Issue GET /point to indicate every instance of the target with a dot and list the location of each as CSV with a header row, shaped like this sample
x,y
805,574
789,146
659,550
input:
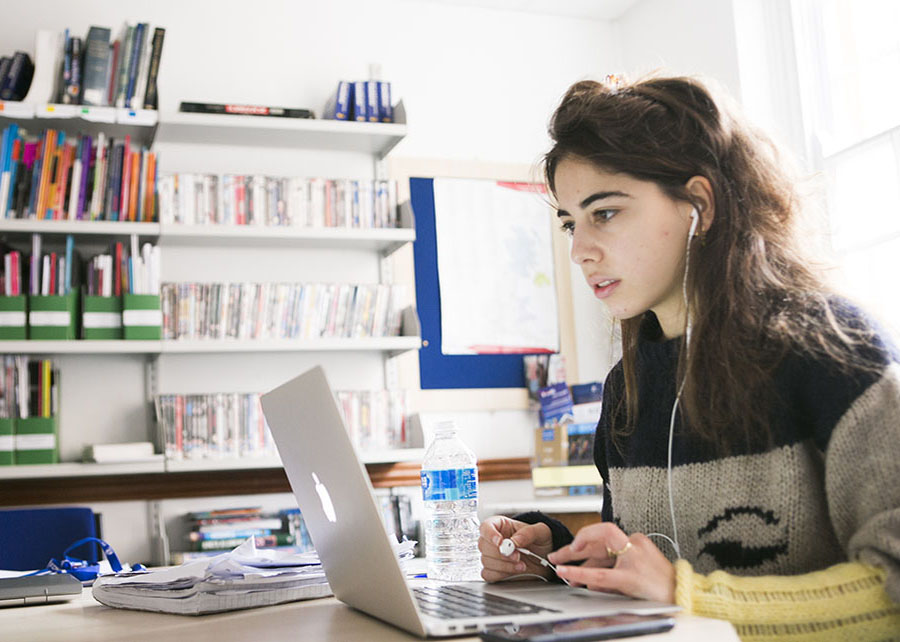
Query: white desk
x,y
322,620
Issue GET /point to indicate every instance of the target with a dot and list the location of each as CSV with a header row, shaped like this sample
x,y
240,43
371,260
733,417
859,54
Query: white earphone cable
x,y
687,342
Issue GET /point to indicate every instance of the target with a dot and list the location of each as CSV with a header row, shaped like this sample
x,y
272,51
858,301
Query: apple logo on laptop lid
x,y
325,499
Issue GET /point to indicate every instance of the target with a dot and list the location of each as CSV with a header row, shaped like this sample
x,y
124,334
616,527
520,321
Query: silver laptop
x,y
335,496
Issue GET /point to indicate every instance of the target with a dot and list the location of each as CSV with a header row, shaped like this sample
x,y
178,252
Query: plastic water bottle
x,y
450,493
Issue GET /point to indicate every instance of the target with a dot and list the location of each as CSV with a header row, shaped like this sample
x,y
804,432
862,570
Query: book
x,y
211,585
122,452
73,79
97,55
385,106
143,70
134,60
338,106
125,54
372,96
359,101
245,110
151,95
112,75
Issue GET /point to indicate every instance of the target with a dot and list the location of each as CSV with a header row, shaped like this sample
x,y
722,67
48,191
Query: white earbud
x,y
695,218
508,547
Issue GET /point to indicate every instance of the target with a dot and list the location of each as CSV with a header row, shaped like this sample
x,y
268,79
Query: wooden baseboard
x,y
153,486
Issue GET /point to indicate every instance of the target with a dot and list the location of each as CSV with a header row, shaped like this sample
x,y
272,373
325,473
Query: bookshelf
x,y
140,124
376,139
225,254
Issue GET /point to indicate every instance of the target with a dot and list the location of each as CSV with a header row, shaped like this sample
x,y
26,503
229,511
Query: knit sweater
x,y
797,539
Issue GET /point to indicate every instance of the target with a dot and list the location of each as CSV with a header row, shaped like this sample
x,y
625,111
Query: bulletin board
x,y
437,370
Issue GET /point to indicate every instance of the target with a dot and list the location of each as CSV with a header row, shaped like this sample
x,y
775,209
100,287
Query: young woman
x,y
750,435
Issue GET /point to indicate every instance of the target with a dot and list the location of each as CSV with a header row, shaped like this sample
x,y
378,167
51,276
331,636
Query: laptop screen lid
x,y
336,500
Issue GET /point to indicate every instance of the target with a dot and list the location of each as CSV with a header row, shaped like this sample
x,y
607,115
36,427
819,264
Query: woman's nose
x,y
585,247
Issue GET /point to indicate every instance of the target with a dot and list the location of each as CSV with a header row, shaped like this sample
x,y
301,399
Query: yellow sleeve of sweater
x,y
843,602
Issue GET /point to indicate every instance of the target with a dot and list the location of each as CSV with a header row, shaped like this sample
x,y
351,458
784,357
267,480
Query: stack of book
x,y
53,176
366,101
281,310
231,426
563,447
29,411
100,71
240,579
28,387
228,199
215,426
375,419
220,530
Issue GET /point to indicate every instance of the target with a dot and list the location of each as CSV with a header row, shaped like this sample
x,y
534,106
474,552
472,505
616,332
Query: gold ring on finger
x,y
614,554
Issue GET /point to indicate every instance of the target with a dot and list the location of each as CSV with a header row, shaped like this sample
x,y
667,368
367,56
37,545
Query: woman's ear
x,y
702,194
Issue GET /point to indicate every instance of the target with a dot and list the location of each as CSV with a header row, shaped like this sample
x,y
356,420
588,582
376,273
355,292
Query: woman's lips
x,y
605,288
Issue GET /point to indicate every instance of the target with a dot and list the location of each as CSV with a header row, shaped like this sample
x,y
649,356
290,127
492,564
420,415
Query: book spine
x,y
133,62
113,75
151,97
96,67
124,64
359,101
86,154
372,101
386,107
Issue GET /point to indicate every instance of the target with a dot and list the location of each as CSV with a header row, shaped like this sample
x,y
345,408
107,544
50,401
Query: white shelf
x,y
372,457
381,239
271,131
84,228
192,465
140,124
175,235
384,344
34,346
392,456
377,344
157,465
160,465
576,504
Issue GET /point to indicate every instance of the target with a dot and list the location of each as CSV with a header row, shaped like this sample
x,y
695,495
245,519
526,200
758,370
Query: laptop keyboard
x,y
460,602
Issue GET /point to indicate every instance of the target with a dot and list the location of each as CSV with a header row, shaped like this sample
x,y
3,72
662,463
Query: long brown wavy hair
x,y
753,296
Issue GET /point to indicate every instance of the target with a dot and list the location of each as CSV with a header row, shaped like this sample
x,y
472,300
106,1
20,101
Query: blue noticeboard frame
x,y
437,370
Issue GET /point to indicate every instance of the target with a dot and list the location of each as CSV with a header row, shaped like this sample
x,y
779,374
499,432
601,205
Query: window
x,y
848,57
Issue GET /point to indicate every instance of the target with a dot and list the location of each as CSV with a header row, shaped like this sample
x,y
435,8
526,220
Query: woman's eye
x,y
604,215
568,228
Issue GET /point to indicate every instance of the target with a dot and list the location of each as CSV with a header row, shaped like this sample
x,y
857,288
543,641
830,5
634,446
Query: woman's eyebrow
x,y
597,196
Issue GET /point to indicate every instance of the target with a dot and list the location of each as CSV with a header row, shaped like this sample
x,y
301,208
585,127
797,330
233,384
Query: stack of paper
x,y
241,579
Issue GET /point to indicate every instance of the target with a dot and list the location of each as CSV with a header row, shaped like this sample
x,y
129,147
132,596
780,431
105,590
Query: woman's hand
x,y
617,563
535,537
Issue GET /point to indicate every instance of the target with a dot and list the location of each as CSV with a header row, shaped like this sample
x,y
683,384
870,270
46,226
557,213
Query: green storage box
x,y
142,317
13,320
53,317
37,440
7,441
101,317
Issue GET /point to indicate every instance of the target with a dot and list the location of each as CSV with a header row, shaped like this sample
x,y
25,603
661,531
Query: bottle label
x,y
449,485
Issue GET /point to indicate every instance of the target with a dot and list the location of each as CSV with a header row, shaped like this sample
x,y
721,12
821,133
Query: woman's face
x,y
629,239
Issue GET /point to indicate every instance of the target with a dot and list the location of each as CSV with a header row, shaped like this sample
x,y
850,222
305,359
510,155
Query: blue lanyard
x,y
82,569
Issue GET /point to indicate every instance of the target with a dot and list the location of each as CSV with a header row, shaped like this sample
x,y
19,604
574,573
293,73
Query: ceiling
x,y
585,9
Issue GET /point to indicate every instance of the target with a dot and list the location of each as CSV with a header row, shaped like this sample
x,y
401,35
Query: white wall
x,y
479,85
681,37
